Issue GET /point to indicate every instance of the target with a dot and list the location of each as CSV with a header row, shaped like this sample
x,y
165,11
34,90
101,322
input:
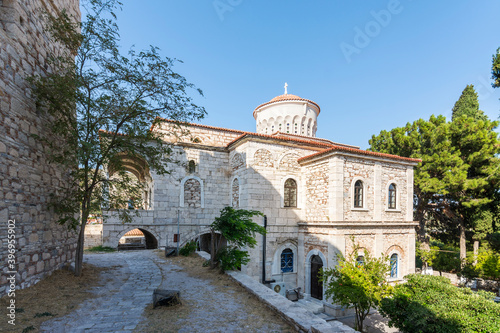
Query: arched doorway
x,y
137,239
316,284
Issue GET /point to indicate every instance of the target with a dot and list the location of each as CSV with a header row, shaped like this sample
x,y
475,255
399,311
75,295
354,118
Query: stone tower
x,y
26,177
287,113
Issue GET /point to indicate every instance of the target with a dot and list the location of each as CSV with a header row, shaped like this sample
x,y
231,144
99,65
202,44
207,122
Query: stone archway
x,y
316,284
151,241
309,267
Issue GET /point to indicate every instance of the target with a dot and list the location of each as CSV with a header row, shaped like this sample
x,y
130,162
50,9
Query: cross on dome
x,y
286,86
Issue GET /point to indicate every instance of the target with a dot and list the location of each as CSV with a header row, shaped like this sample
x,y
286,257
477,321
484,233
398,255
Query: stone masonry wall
x,y
192,193
235,190
27,178
376,178
203,135
93,235
317,180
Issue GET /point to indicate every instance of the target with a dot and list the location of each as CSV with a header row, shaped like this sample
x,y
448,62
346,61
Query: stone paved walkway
x,y
121,301
128,290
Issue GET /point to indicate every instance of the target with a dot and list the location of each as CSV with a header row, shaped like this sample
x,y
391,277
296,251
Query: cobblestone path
x,y
121,300
128,290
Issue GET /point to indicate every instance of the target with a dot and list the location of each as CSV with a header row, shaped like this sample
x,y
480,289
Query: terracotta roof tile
x,y
134,232
302,139
198,125
284,98
358,151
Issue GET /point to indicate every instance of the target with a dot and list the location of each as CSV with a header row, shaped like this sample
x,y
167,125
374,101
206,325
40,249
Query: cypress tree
x,y
468,105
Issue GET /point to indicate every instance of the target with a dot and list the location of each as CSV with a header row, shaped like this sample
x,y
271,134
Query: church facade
x,y
317,195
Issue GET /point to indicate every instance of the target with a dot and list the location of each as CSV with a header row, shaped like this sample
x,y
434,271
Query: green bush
x,y
488,263
447,261
432,304
231,257
189,248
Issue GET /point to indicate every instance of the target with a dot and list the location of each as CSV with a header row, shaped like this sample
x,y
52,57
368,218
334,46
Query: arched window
x,y
290,193
360,260
392,196
394,265
191,166
358,194
287,260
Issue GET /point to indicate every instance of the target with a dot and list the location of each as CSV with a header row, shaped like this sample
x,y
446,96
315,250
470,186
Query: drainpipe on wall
x,y
264,281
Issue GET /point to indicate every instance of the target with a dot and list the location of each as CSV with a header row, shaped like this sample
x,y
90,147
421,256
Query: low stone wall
x,y
489,285
454,279
93,235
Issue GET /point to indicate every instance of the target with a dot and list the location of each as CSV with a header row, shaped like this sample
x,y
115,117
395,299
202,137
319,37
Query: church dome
x,y
284,98
287,113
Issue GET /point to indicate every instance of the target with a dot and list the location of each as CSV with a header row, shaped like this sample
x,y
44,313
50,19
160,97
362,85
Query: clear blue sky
x,y
401,67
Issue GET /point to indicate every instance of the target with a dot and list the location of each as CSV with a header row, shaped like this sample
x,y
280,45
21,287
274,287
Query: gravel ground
x,y
212,302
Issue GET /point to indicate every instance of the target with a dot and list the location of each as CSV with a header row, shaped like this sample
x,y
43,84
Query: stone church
x,y
316,195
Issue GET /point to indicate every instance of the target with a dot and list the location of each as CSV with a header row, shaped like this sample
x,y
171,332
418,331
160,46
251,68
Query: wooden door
x,y
316,284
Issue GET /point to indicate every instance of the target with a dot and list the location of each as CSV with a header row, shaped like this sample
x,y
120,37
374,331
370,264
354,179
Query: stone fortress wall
x,y
26,177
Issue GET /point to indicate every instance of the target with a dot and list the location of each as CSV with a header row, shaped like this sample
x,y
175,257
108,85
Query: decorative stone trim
x,y
307,264
351,195
282,192
276,269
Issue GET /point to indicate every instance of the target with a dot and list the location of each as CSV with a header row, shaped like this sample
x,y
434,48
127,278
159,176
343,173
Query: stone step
x,y
313,305
326,317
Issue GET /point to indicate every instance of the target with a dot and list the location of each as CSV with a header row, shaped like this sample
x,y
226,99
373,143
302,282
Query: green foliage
x,y
494,241
457,181
101,248
447,261
188,248
102,104
488,264
231,257
360,286
469,271
236,227
426,256
468,105
432,304
495,69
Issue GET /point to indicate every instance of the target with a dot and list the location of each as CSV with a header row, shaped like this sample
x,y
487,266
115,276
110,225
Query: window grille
x,y
287,261
394,265
290,193
392,196
358,194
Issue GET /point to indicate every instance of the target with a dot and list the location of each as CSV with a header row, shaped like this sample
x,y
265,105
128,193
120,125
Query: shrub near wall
x,y
432,304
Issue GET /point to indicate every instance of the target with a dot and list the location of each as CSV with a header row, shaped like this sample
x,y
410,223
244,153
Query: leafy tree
x,y
432,304
468,105
237,228
494,241
361,286
441,167
495,69
102,105
459,173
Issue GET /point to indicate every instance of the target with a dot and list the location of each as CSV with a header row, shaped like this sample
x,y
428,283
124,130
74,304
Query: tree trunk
x,y
463,249
476,251
80,244
420,217
212,249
